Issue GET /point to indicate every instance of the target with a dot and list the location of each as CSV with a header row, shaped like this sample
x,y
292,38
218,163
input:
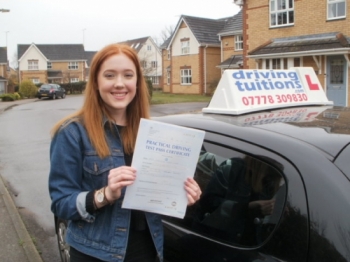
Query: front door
x,y
336,80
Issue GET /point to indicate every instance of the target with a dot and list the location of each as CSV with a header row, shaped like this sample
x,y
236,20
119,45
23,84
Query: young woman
x,y
91,153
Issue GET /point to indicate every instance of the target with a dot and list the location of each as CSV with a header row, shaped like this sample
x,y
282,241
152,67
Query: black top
x,y
140,244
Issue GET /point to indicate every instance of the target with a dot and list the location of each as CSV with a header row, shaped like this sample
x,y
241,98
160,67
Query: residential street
x,y
24,164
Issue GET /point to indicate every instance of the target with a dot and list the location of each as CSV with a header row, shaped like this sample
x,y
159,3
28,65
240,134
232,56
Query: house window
x,y
297,62
169,54
149,48
49,65
168,77
185,47
154,64
144,64
336,9
238,42
73,65
281,12
36,80
186,76
155,80
33,64
276,63
281,63
74,80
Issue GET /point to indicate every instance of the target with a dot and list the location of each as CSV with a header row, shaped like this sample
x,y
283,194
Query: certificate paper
x,y
165,156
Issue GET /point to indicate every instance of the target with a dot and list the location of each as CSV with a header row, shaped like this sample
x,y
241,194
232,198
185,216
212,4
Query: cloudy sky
x,y
97,23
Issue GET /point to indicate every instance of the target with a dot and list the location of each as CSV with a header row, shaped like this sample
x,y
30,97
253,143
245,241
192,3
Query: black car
x,y
52,91
275,179
274,189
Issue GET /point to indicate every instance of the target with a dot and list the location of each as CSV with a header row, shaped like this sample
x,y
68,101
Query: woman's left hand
x,y
193,191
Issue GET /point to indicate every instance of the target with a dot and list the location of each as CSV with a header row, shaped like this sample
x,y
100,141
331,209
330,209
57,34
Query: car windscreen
x,y
342,161
46,87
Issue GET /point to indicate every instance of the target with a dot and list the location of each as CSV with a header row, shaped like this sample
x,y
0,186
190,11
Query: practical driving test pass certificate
x,y
165,156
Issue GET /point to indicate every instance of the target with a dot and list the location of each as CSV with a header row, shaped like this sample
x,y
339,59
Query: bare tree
x,y
146,64
167,32
14,61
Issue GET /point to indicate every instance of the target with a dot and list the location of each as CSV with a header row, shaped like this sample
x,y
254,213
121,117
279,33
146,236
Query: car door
x,y
238,181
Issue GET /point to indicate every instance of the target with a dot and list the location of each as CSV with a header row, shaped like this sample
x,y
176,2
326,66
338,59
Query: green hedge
x,y
149,87
10,97
74,88
28,89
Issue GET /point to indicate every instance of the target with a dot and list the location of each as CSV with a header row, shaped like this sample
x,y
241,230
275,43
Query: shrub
x,y
74,88
8,97
17,95
28,89
149,87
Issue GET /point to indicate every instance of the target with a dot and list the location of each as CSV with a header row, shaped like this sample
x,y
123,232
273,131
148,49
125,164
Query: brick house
x,y
312,33
231,38
53,63
150,58
3,70
191,56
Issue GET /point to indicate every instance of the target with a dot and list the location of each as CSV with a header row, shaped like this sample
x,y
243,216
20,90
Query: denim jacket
x,y
75,170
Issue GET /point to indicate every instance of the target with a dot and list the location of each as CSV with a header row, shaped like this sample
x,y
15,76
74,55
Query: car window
x,y
45,87
242,196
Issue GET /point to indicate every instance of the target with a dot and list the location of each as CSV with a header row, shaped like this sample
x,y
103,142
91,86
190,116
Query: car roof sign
x,y
244,91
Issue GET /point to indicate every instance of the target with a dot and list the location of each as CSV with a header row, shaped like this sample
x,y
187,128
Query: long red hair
x,y
94,108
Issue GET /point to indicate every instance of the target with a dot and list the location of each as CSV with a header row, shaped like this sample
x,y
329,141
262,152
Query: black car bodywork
x,y
52,91
310,148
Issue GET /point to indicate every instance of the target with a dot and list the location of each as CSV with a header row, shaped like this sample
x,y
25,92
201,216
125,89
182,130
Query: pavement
x,y
16,245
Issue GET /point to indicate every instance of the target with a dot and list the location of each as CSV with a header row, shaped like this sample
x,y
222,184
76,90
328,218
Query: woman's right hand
x,y
117,179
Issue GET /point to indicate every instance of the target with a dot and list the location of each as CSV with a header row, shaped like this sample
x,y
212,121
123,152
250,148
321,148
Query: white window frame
x,y
154,64
73,65
155,80
186,76
185,47
33,64
337,5
74,80
284,64
149,47
238,42
36,80
169,54
144,64
278,11
168,77
49,65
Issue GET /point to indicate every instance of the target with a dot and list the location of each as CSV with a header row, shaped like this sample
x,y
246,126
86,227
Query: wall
x,y
213,73
69,73
305,23
177,63
310,18
165,63
32,54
